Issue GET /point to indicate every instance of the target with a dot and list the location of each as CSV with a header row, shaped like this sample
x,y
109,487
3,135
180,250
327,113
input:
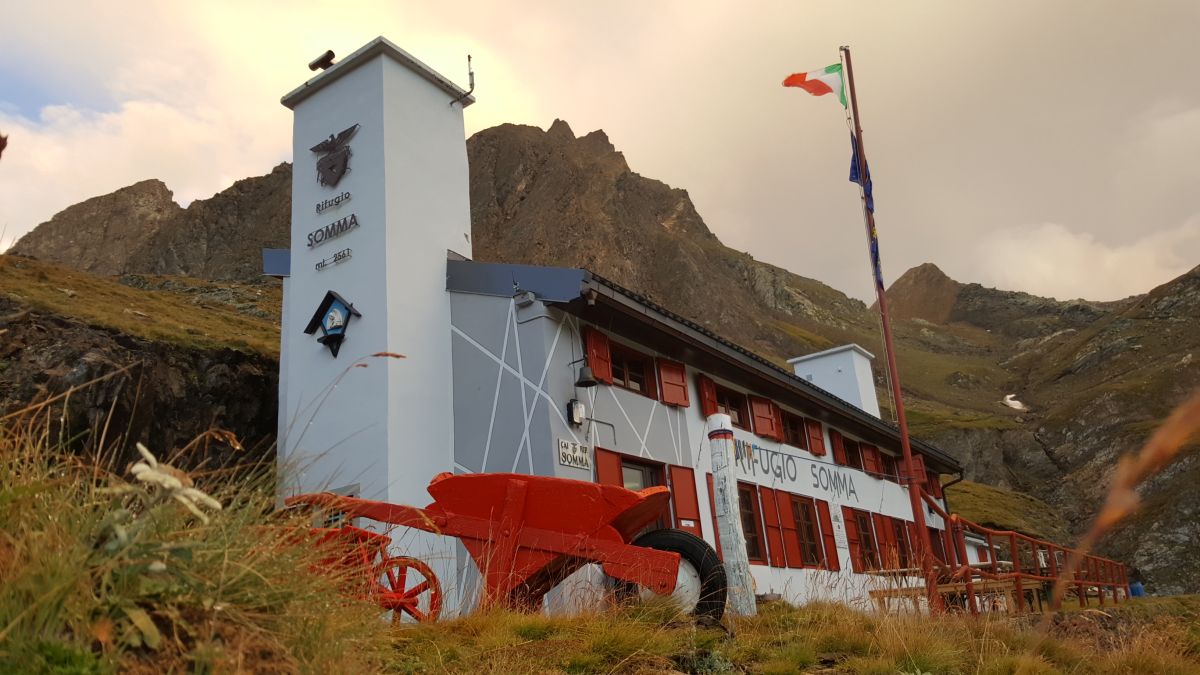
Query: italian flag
x,y
820,82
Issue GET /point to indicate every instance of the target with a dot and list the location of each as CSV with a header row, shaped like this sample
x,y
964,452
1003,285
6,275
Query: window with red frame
x,y
734,404
854,458
633,370
751,522
807,531
794,432
890,467
900,535
860,533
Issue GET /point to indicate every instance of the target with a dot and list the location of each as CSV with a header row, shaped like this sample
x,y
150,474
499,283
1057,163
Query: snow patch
x,y
1011,401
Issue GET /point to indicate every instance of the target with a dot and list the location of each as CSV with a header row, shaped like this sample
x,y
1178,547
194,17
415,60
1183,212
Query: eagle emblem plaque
x,y
335,156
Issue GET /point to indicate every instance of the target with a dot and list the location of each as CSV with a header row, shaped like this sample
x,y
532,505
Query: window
x,y
900,534
613,468
638,476
748,506
867,546
806,531
633,370
794,433
982,552
854,458
939,548
733,404
862,537
890,467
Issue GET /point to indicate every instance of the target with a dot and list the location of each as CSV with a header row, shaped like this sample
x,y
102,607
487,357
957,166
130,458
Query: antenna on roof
x,y
470,81
322,62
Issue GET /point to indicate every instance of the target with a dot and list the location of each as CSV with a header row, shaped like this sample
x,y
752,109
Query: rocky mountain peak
x,y
101,234
923,292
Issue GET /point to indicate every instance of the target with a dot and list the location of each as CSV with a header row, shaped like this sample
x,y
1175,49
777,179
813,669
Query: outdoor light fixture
x,y
576,413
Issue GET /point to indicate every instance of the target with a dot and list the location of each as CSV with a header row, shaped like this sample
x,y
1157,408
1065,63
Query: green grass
x,y
182,316
1004,510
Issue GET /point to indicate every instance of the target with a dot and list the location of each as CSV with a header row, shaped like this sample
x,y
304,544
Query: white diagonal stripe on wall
x,y
540,387
524,442
504,366
487,445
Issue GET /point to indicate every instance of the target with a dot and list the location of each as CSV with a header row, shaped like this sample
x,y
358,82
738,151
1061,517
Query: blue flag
x,y
854,177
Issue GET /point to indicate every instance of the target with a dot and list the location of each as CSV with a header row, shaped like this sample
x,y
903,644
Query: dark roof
x,y
569,287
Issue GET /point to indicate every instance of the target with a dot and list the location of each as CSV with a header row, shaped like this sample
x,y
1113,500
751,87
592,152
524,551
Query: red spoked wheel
x,y
406,585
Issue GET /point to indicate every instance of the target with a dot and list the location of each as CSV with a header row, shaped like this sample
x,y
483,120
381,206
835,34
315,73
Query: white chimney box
x,y
842,371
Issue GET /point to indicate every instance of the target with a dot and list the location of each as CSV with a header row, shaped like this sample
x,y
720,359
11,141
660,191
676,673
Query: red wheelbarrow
x,y
528,533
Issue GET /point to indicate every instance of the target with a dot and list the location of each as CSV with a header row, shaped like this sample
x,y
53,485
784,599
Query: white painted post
x,y
729,520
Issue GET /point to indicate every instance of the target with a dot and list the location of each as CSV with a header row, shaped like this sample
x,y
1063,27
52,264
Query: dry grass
x,y
817,638
148,314
104,573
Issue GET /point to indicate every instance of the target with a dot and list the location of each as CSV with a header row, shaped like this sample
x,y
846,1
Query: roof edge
x,y
376,47
841,348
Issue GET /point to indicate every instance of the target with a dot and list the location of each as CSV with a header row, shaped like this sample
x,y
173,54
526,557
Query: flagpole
x,y
923,544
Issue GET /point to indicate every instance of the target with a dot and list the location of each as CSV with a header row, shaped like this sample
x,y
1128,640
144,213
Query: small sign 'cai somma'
x,y
573,454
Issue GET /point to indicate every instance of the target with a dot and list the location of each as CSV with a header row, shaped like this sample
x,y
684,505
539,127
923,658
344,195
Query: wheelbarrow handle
x,y
354,507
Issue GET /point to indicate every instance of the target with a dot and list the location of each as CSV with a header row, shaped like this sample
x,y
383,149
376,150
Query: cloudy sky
x,y
1031,145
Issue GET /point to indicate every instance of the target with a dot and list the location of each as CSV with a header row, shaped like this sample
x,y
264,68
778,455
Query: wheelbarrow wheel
x,y
407,586
701,586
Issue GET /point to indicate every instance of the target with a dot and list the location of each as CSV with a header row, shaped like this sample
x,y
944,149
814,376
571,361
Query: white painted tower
x,y
379,200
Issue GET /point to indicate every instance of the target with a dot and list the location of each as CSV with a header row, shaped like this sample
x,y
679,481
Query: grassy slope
x,y
193,313
1000,509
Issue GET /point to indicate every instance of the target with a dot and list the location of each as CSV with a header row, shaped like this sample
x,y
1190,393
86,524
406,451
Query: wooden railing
x,y
1036,564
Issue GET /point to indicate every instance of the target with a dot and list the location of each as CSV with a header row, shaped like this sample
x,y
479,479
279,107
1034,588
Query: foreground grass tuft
x,y
111,573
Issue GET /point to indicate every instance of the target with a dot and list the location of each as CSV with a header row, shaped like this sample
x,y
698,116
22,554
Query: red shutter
x,y
777,413
915,561
674,383
763,412
935,484
791,539
839,448
608,467
770,510
599,357
683,493
708,395
982,551
871,460
712,506
816,439
831,552
919,477
885,541
856,563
